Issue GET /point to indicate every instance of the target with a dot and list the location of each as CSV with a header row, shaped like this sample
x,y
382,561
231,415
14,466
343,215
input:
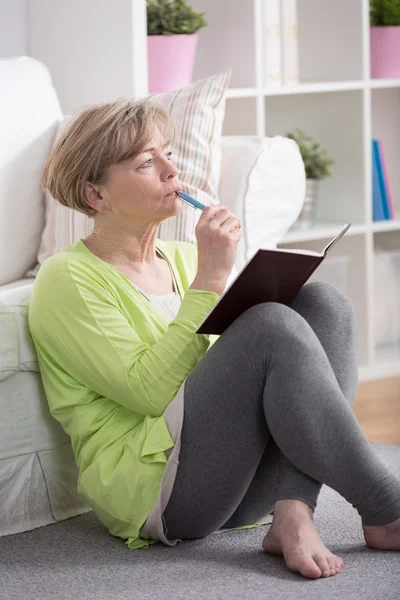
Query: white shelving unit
x,y
335,101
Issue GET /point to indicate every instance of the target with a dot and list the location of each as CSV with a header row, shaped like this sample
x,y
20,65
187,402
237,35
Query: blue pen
x,y
191,201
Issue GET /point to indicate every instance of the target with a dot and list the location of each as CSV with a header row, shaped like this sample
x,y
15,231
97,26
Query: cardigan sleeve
x,y
82,337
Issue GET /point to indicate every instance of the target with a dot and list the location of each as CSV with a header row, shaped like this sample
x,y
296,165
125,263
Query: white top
x,y
168,305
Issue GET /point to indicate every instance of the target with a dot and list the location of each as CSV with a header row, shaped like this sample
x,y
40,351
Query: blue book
x,y
377,200
382,183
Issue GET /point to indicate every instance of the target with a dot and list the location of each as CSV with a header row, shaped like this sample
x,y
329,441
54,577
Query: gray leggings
x,y
268,416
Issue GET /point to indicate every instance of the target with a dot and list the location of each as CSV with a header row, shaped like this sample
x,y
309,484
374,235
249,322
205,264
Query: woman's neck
x,y
137,254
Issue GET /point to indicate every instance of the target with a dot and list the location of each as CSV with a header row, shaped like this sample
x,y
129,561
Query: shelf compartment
x,y
227,41
344,267
324,53
335,62
240,117
386,127
386,301
335,120
386,366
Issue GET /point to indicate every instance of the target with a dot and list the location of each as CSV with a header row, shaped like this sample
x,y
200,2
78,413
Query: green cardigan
x,y
110,365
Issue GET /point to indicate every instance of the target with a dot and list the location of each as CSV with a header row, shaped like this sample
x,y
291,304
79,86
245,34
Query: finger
x,y
236,235
222,215
212,211
230,223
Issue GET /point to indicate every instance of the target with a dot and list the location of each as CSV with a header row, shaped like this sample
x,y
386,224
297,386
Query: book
x,y
377,200
272,43
269,276
386,180
381,180
290,58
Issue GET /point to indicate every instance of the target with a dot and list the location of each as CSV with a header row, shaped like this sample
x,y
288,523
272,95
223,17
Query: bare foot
x,y
384,537
293,536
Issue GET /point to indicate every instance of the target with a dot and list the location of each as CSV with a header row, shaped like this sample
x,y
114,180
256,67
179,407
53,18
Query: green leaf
x,y
173,17
384,13
317,162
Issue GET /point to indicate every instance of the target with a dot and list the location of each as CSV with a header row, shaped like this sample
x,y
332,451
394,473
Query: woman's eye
x,y
149,162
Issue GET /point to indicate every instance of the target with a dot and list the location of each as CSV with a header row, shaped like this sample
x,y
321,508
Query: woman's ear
x,y
92,196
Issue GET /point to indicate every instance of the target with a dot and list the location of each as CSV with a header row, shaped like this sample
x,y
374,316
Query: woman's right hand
x,y
218,233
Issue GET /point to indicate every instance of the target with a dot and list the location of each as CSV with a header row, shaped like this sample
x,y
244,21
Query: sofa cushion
x,y
11,325
263,182
38,472
17,349
198,111
39,488
12,291
29,114
9,355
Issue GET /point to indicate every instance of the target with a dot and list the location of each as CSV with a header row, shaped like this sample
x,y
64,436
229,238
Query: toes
x,y
310,569
332,564
306,567
322,562
339,564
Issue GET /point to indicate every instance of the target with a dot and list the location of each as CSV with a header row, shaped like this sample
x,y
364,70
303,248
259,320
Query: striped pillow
x,y
198,111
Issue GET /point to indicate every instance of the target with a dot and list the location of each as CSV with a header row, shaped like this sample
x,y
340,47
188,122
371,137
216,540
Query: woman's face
x,y
138,187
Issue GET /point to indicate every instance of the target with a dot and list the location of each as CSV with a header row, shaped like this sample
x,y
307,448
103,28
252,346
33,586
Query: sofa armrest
x,y
263,182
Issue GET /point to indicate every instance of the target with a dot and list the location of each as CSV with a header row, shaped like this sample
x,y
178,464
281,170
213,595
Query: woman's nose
x,y
171,170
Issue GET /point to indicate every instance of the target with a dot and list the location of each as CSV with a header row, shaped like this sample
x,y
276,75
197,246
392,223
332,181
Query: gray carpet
x,y
77,559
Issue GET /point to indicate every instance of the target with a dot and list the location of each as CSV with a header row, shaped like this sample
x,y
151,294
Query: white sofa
x,y
37,468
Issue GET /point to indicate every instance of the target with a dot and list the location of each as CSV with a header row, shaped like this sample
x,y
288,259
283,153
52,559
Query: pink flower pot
x,y
385,52
171,61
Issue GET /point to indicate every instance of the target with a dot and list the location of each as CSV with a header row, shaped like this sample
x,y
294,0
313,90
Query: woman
x,y
176,434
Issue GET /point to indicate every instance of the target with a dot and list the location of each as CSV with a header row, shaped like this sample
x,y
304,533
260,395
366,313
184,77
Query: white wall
x,y
13,28
93,48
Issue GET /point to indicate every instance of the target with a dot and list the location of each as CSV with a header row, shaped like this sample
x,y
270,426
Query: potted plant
x,y
172,27
385,38
317,163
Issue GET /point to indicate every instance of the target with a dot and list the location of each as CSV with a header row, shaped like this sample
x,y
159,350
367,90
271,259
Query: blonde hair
x,y
96,138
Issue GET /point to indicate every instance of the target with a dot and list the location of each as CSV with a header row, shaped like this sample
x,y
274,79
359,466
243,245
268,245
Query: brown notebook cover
x,y
269,276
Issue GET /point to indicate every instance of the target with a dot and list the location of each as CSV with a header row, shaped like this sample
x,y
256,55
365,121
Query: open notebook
x,y
269,276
